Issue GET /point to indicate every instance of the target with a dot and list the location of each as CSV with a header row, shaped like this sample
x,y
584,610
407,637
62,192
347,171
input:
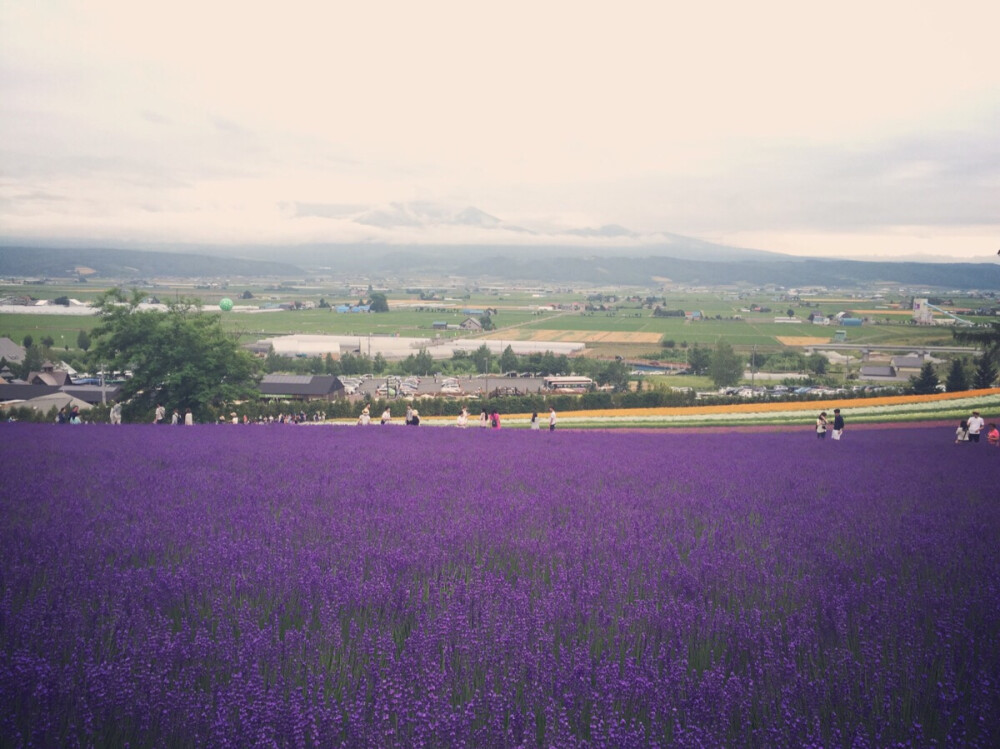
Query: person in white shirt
x,y
552,419
976,424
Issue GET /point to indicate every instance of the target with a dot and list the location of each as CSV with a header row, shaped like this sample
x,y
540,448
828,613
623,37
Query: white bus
x,y
568,384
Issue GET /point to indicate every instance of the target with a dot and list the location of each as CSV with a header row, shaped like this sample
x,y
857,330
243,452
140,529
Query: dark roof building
x,y
25,392
301,387
48,376
874,372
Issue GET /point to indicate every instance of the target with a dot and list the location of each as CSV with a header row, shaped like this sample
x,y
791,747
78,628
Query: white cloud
x,y
774,119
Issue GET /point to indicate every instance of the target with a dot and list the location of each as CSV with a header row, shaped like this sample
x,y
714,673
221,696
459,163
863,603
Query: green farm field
x,y
630,330
63,328
326,322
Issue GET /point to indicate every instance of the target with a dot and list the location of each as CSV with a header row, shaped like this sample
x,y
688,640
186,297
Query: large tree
x,y
986,373
508,360
726,368
699,359
181,358
958,378
926,383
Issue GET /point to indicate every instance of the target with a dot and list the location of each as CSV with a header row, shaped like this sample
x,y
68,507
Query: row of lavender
x,y
307,587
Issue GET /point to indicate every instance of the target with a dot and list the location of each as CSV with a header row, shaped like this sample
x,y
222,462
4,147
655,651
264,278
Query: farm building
x,y
878,372
301,387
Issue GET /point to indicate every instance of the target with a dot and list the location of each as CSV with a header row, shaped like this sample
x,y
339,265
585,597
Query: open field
x,y
440,587
63,328
629,331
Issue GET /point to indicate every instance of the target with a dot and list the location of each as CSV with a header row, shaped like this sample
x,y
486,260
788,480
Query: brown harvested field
x,y
882,312
577,336
802,340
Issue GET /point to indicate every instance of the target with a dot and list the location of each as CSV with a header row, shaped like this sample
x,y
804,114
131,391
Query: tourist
x,y
188,418
962,433
495,419
976,424
409,415
365,418
386,417
175,418
535,425
116,413
552,418
838,424
821,425
463,417
414,418
484,418
160,415
993,435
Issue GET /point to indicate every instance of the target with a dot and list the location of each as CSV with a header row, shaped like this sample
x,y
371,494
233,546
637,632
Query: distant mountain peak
x,y
607,231
472,216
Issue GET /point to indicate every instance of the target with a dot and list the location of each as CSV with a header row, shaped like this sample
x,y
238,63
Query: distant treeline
x,y
27,262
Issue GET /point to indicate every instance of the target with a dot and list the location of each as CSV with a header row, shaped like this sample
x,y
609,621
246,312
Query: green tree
x,y
48,341
614,373
757,359
699,359
379,364
377,302
481,356
28,341
32,362
726,366
926,382
424,363
83,340
816,363
486,320
508,360
181,358
958,377
986,373
330,365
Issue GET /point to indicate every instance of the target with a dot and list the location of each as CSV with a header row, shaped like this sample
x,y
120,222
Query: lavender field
x,y
328,586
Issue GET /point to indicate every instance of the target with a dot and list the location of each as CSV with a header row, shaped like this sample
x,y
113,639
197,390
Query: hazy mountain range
x,y
491,249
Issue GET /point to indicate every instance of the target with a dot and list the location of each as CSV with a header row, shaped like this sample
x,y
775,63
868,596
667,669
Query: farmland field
x,y
322,586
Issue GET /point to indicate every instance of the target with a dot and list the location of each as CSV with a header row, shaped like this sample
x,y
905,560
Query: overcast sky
x,y
854,129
